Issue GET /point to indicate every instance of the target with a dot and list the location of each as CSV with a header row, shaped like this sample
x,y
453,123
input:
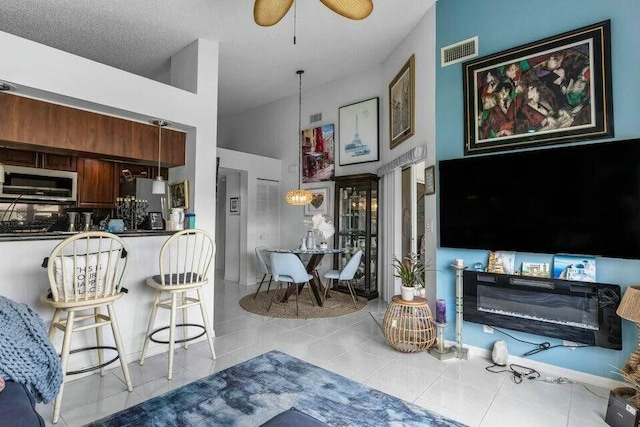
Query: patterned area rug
x,y
253,392
338,305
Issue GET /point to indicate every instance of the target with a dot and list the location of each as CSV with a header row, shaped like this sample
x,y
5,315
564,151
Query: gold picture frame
x,y
179,194
402,104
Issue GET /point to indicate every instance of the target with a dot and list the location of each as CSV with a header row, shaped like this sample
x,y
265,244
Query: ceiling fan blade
x,y
269,12
352,9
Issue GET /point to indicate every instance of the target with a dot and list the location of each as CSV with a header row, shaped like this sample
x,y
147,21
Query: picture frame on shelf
x,y
552,91
317,150
319,202
430,180
358,132
179,194
402,104
156,222
535,269
501,262
234,205
574,267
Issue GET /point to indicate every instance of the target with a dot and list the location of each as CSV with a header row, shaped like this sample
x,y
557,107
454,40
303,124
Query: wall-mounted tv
x,y
582,199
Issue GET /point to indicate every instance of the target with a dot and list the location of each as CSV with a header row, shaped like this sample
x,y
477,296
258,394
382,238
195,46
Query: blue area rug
x,y
252,392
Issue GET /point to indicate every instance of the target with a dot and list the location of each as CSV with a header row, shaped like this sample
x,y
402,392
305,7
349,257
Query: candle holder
x,y
441,352
459,267
132,211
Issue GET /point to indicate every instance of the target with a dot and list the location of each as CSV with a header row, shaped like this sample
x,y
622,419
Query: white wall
x,y
50,74
221,223
274,127
252,167
232,230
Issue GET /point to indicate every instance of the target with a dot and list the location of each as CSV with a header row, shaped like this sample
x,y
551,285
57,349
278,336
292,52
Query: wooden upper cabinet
x,y
35,159
97,183
61,162
42,124
10,156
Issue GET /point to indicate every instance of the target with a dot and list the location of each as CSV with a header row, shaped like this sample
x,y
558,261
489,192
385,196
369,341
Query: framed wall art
x,y
552,91
234,205
358,135
430,180
179,194
402,104
317,154
155,221
319,202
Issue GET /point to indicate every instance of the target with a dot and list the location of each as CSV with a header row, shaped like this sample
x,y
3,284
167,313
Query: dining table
x,y
315,283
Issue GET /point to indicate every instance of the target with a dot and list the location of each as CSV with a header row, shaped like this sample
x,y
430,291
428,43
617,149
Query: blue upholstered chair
x,y
264,267
345,275
288,268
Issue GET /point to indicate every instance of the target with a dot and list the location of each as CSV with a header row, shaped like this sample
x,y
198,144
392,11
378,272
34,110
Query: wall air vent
x,y
458,52
315,118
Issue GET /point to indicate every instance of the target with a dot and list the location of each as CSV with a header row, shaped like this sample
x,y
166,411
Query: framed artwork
x,y
319,202
358,135
317,154
402,104
574,267
535,269
430,180
501,262
551,91
179,194
234,205
155,221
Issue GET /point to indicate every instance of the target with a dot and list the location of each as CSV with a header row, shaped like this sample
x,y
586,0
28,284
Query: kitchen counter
x,y
52,235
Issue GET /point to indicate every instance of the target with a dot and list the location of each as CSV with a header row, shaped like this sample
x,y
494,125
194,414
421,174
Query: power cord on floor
x,y
539,346
518,372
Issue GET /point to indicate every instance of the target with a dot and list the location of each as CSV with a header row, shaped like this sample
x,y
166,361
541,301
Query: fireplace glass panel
x,y
578,311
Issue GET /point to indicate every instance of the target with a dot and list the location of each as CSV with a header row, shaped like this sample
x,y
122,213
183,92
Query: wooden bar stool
x,y
85,273
185,259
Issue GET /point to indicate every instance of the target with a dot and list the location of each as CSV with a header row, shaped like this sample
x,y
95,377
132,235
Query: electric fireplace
x,y
581,312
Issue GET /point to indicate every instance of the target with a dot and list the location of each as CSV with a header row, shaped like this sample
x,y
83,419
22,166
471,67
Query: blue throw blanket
x,y
26,354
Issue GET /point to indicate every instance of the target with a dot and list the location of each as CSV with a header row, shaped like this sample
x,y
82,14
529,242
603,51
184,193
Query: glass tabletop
x,y
306,251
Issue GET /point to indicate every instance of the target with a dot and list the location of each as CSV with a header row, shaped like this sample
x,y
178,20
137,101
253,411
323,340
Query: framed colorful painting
x,y
317,154
552,91
358,136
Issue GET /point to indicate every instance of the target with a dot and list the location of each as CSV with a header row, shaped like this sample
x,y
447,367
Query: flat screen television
x,y
581,199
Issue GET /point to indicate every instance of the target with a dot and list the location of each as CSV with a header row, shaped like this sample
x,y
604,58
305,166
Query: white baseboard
x,y
550,370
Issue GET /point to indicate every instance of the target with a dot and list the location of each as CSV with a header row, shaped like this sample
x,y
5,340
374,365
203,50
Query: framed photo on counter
x,y
155,221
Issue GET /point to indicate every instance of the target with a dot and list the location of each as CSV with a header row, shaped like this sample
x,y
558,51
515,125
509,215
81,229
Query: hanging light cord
x,y
295,14
300,72
159,142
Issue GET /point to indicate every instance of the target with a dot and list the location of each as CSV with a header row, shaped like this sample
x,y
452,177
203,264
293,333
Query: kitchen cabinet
x,y
35,159
97,183
356,223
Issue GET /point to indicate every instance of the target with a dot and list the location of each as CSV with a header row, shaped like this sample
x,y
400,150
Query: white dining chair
x,y
265,268
345,275
289,269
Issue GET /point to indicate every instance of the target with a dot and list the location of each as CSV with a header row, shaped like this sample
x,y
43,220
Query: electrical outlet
x,y
571,344
487,329
429,225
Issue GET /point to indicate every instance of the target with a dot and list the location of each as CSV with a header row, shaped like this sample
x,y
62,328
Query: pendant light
x,y
158,186
299,197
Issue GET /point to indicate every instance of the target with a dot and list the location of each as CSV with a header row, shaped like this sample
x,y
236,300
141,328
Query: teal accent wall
x,y
500,25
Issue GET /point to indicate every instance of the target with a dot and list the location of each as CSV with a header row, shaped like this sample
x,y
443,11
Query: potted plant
x,y
410,270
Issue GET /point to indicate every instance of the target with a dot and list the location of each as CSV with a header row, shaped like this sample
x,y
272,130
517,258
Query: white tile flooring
x,y
352,346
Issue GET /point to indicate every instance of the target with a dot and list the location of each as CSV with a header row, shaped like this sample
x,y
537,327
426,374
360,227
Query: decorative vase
x,y
311,241
407,293
303,245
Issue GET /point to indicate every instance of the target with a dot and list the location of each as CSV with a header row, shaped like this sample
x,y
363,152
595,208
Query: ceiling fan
x,y
269,12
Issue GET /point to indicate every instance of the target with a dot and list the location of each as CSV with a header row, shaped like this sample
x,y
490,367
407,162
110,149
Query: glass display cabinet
x,y
356,222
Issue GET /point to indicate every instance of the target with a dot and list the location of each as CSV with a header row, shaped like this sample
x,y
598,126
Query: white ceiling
x,y
257,65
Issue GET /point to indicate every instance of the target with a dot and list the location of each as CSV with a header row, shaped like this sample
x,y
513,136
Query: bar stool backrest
x,y
87,266
185,258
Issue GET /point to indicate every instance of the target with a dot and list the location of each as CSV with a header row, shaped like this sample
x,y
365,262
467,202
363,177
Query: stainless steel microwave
x,y
23,183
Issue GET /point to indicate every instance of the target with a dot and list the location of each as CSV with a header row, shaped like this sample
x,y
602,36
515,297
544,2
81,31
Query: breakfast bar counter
x,y
57,235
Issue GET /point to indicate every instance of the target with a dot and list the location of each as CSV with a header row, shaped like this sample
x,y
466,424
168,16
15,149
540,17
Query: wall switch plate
x,y
429,225
293,168
487,329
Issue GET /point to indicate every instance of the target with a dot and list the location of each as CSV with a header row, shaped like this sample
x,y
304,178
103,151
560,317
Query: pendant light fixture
x,y
158,186
299,196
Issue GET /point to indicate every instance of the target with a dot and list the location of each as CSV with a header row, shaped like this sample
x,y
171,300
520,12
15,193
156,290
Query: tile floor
x,y
352,346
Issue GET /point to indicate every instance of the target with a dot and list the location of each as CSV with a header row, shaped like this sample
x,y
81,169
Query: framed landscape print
x,y
179,194
317,154
402,104
552,91
358,135
234,205
319,202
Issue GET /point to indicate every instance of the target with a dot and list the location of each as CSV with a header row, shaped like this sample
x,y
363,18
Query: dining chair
x,y
264,267
86,273
185,258
288,268
345,275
